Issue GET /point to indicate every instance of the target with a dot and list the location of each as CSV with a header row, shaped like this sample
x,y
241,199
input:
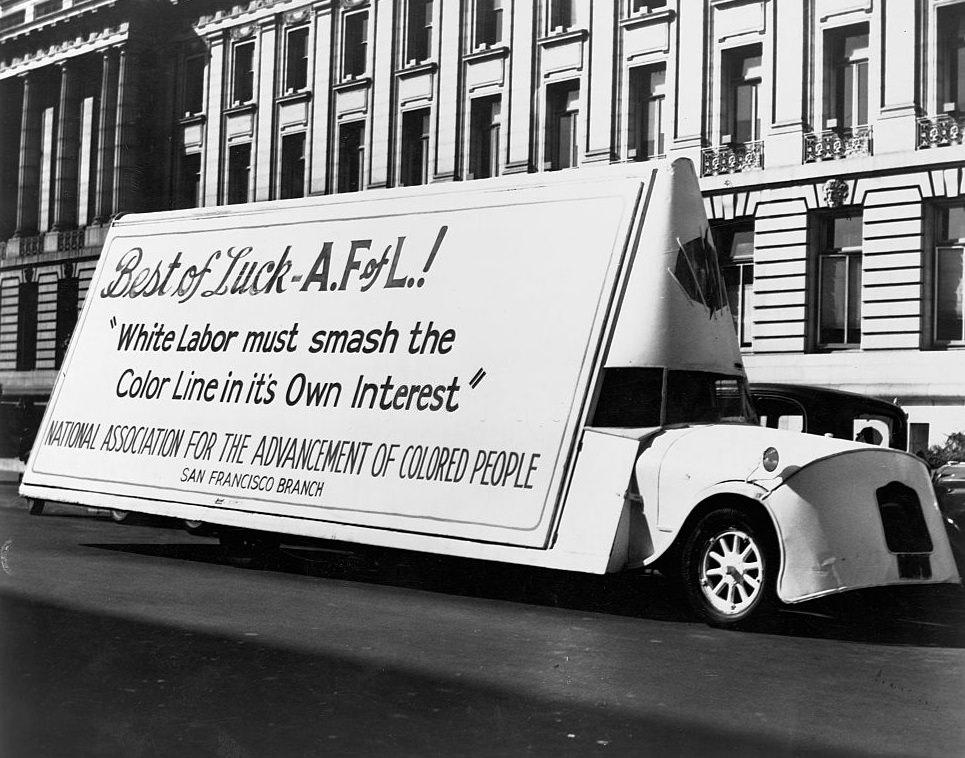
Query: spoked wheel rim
x,y
732,572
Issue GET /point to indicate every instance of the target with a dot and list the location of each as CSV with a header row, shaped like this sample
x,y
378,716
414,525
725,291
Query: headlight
x,y
770,459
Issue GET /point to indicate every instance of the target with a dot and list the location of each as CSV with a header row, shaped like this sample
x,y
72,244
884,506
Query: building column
x,y
263,167
68,137
519,116
448,102
600,107
104,189
125,144
211,173
784,134
896,128
379,135
318,160
688,118
28,198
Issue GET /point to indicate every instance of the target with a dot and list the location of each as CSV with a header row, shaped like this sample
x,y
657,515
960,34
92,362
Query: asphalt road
x,y
127,640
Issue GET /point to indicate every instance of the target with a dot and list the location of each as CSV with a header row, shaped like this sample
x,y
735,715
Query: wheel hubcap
x,y
731,573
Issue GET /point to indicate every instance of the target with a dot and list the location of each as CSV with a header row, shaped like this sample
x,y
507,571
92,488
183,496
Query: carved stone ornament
x,y
294,18
243,32
835,193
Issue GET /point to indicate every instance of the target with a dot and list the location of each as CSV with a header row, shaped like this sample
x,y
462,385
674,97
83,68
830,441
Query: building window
x,y
951,58
949,277
292,182
847,80
418,31
189,181
239,173
562,15
415,148
243,73
484,137
355,44
917,438
67,300
740,115
646,6
562,113
192,85
351,155
839,282
27,326
488,23
647,92
735,253
296,59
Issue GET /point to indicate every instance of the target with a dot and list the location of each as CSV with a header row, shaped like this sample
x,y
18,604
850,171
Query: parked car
x,y
949,482
850,415
834,413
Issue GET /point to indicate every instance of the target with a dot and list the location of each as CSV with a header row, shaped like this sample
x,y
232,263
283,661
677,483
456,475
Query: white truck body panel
x,y
419,368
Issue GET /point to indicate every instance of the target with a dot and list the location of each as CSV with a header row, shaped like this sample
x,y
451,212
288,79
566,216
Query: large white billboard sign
x,y
370,363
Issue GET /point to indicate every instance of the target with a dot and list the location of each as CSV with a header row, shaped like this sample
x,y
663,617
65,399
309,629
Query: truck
x,y
538,370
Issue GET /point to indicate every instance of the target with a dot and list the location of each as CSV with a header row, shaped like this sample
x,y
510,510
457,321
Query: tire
x,y
36,507
729,568
197,528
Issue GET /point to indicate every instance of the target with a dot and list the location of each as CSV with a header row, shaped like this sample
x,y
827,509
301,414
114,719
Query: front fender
x,y
834,536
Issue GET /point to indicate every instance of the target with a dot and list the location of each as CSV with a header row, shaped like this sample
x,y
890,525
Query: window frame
x,y
357,55
302,84
192,199
291,178
68,301
725,234
231,188
944,241
561,16
415,148
852,255
640,82
734,63
236,73
485,116
838,64
28,299
488,18
563,101
189,85
417,37
643,7
950,21
358,157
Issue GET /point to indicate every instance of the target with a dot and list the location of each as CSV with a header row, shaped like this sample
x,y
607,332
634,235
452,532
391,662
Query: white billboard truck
x,y
539,371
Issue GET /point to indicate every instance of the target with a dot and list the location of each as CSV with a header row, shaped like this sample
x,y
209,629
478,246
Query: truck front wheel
x,y
728,567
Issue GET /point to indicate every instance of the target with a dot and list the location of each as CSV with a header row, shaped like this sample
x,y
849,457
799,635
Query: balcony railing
x,y
72,239
31,245
731,159
835,144
940,131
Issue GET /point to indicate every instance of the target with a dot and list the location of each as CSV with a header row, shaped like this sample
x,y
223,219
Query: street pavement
x,y
140,640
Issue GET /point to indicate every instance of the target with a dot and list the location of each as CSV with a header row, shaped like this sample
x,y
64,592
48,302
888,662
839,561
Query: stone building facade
x,y
827,133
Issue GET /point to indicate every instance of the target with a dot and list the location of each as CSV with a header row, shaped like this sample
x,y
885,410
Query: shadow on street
x,y
932,616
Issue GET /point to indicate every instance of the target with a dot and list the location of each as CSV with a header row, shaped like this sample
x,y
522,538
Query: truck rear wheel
x,y
729,566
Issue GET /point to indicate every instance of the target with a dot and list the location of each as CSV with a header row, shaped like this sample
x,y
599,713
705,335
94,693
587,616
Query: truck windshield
x,y
634,397
701,397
